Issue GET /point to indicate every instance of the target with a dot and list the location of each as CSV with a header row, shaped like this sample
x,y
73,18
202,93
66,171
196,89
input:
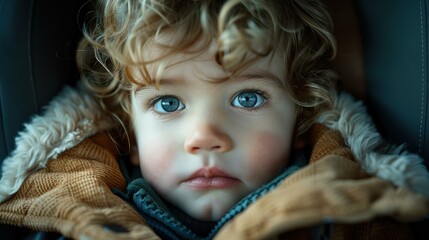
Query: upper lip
x,y
208,173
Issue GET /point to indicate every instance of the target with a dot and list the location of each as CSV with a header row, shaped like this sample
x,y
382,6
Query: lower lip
x,y
204,183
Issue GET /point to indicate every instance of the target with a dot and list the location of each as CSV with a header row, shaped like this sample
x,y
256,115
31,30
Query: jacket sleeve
x,y
333,190
72,196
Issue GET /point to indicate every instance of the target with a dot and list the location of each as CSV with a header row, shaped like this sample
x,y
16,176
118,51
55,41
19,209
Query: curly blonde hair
x,y
115,39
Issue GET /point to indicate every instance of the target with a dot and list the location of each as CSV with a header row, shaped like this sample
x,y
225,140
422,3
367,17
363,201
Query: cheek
x,y
156,161
267,155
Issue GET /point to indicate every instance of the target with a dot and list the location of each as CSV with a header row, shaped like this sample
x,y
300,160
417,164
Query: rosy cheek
x,y
155,163
267,155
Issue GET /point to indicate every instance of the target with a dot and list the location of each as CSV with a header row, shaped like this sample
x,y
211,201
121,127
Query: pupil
x,y
170,104
247,99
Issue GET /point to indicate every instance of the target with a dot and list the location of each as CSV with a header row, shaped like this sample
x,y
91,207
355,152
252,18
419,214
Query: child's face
x,y
203,143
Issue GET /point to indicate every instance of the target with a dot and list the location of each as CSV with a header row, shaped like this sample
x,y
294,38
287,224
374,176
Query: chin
x,y
209,211
208,215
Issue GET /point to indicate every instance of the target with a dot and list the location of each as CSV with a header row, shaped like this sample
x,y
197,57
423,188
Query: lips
x,y
210,178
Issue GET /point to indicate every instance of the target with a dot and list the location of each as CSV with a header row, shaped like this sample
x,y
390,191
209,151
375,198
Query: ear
x,y
134,156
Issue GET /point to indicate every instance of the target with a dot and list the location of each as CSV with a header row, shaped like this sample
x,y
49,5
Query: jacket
x,y
62,174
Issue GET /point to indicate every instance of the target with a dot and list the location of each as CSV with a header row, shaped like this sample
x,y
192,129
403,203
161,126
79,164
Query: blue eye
x,y
168,104
248,99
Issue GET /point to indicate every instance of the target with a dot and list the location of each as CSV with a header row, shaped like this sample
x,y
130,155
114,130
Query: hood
x,y
70,117
375,155
74,115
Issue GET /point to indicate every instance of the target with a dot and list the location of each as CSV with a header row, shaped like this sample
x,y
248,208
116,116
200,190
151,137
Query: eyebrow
x,y
258,74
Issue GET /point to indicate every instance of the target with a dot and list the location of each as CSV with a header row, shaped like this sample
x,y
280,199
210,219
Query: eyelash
x,y
261,93
150,104
154,100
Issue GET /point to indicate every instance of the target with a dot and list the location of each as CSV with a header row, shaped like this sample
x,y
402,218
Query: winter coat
x,y
62,173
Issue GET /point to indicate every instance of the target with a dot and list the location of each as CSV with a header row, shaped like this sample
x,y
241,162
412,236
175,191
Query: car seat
x,y
38,39
382,59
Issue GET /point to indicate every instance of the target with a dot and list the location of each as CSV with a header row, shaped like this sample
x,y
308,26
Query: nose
x,y
208,138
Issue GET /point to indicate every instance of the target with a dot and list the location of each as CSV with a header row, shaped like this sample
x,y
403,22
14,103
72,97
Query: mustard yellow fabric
x,y
72,196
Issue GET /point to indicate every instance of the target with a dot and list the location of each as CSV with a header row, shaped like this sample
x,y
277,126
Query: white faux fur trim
x,y
371,151
71,117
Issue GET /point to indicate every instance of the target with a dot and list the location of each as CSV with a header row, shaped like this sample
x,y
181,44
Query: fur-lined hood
x,y
74,115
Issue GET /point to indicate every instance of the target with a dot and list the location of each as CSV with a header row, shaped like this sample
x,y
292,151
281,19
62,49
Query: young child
x,y
228,115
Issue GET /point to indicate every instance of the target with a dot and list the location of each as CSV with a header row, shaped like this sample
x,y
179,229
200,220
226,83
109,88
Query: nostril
x,y
195,149
216,148
207,140
213,148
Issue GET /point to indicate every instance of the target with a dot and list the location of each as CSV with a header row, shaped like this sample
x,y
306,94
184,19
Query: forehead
x,y
200,60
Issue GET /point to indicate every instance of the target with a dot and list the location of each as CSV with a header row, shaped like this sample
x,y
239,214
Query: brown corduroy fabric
x,y
325,142
333,189
72,195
